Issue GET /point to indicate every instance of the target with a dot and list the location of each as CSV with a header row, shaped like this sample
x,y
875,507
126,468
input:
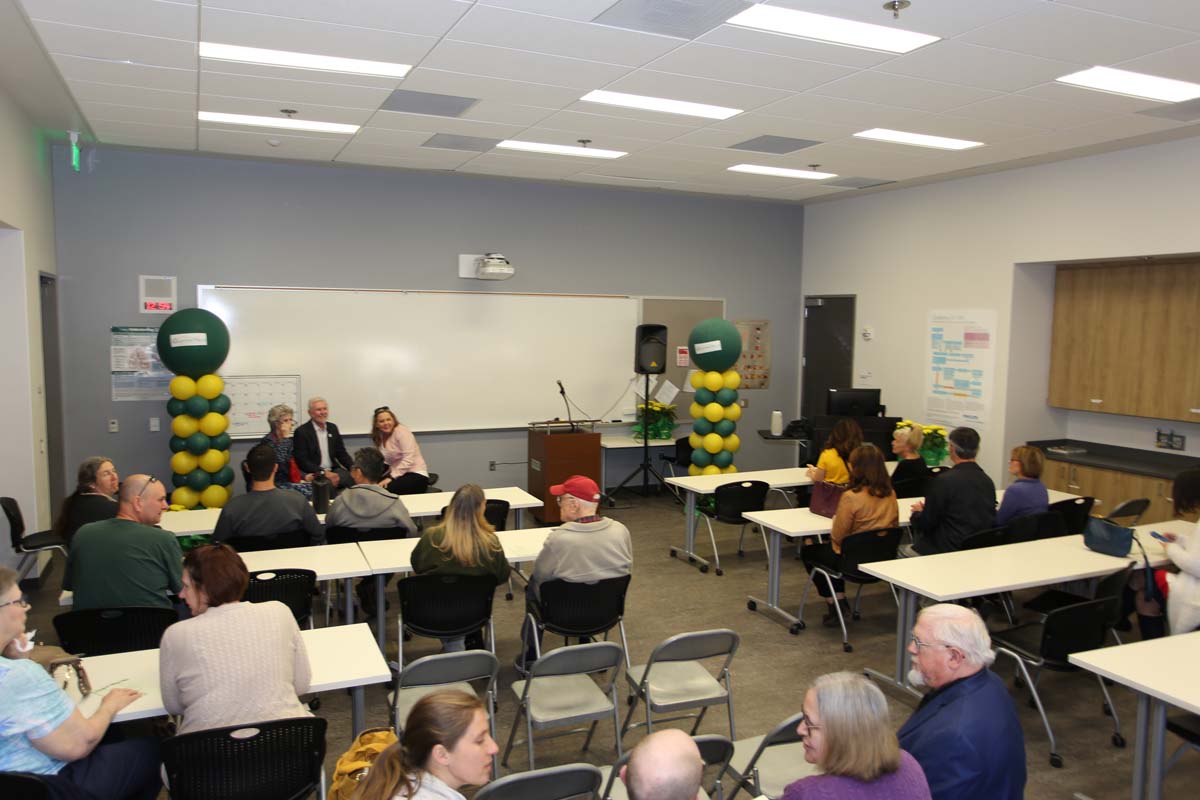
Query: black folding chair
x,y
731,501
28,546
273,541
551,783
1075,512
581,610
1131,511
445,606
1032,527
292,587
103,631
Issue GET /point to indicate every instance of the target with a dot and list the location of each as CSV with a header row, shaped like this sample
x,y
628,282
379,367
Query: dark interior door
x,y
52,370
828,350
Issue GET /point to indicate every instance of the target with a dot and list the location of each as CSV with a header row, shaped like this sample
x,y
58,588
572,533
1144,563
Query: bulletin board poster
x,y
961,358
137,372
754,365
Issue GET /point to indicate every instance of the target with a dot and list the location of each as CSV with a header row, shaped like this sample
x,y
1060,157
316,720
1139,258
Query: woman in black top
x,y
94,498
910,467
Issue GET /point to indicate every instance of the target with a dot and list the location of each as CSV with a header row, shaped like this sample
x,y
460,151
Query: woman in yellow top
x,y
831,465
867,504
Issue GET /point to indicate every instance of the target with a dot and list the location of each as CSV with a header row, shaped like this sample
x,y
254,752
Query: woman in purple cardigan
x,y
1027,494
848,736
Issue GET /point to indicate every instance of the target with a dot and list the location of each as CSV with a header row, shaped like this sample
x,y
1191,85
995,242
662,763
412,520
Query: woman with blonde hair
x,y
463,543
848,736
445,746
906,444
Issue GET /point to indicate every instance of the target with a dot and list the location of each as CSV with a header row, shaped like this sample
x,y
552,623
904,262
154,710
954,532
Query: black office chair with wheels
x,y
292,587
681,458
910,487
444,607
1075,512
731,500
1032,527
1130,512
344,535
280,758
579,610
103,631
989,537
1112,586
274,541
28,546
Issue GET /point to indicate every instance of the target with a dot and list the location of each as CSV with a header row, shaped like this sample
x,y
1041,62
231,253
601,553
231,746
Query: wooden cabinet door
x,y
1077,313
1056,476
1170,377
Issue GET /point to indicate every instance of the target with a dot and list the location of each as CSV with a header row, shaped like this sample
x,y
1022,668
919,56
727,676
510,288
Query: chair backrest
x,y
342,535
1112,589
582,609
1032,527
1073,629
866,547
1130,508
715,751
496,512
938,470
734,499
551,783
102,631
281,758
273,541
696,646
783,733
1075,512
440,668
910,487
990,537
23,785
16,521
292,587
578,659
443,606
683,451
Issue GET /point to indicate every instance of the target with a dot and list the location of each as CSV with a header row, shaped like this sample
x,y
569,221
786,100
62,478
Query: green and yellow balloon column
x,y
715,346
193,343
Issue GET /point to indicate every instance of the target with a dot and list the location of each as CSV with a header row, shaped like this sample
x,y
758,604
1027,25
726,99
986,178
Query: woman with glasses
x,y
406,467
1027,494
281,418
233,661
94,498
848,736
43,732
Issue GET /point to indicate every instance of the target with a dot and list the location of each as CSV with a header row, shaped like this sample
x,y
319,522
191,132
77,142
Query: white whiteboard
x,y
251,397
440,360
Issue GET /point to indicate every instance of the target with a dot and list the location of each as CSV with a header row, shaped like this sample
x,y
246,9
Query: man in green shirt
x,y
125,561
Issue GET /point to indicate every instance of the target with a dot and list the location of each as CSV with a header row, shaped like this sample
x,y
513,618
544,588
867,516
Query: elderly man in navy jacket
x,y
319,447
965,733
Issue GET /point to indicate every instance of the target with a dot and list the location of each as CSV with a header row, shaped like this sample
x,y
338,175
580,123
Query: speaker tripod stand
x,y
645,469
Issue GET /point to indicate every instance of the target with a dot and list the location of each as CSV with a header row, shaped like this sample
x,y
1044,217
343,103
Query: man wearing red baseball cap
x,y
585,548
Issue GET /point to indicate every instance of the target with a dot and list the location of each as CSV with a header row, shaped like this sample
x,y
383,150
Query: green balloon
x,y
193,342
177,444
724,427
196,406
702,426
220,442
719,342
704,396
223,476
198,479
198,444
723,459
701,457
178,480
727,397
175,407
220,404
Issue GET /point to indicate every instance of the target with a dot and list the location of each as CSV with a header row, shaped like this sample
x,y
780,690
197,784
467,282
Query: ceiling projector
x,y
493,267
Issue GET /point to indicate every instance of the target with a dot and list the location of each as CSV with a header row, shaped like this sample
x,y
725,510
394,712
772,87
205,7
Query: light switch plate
x,y
114,426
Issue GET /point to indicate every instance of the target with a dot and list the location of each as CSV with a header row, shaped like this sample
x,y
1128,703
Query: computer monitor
x,y
854,403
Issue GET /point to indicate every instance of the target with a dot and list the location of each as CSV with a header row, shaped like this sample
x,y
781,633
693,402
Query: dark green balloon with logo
x,y
714,344
222,441
198,444
175,407
193,342
223,476
220,404
198,479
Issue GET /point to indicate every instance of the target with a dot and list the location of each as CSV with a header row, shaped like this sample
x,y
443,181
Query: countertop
x,y
1155,463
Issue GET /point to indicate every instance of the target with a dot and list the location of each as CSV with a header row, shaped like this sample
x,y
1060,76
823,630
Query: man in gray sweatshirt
x,y
266,510
367,505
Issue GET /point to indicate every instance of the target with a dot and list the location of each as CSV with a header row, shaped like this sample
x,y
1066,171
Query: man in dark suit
x,y
965,733
958,503
318,446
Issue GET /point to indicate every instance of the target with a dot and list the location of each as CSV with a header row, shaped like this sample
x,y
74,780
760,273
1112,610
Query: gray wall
x,y
216,220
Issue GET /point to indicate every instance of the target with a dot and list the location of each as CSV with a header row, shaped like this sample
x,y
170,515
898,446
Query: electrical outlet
x,y
114,426
491,466
155,425
1169,440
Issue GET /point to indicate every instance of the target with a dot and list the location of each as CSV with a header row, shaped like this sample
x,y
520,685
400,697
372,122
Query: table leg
x,y
689,536
1158,732
1139,747
358,708
518,516
906,617
348,590
774,569
380,612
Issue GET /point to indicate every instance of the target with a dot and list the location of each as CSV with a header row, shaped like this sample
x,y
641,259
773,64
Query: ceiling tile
x,y
696,90
506,113
388,141
270,108
391,120
640,164
541,167
1087,98
754,69
85,91
132,133
487,88
541,34
977,130
984,67
290,94
584,10
1172,13
1057,32
1033,112
519,65
258,143
715,157
99,71
897,90
604,125
111,112
820,109
420,17
1181,63
793,47
767,124
295,74
170,20
121,47
603,141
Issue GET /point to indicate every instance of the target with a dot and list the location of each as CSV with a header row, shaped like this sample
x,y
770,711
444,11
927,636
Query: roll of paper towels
x,y
776,423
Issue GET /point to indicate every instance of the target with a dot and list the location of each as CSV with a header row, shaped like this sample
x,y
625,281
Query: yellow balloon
x,y
696,410
713,381
713,412
732,443
695,440
227,456
732,413
731,379
214,496
183,462
212,461
184,496
697,379
184,426
213,424
711,469
730,468
210,387
713,443
182,387
693,470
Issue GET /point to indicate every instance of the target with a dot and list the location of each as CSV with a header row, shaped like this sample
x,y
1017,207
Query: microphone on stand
x,y
563,392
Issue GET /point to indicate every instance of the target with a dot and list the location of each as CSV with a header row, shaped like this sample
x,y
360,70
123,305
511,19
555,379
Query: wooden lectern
x,y
558,450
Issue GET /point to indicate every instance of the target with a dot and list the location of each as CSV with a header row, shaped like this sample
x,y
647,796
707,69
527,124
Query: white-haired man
x,y
319,447
965,733
666,765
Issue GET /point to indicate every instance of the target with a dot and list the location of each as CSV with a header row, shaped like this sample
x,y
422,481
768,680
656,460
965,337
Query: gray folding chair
x,y
1130,511
551,783
715,751
765,765
560,691
674,678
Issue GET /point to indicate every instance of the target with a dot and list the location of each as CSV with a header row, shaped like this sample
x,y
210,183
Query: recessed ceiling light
x,y
560,149
276,122
1135,84
662,104
284,58
774,19
917,139
780,172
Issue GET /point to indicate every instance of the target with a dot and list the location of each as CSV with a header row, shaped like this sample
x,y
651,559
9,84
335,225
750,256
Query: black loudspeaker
x,y
650,350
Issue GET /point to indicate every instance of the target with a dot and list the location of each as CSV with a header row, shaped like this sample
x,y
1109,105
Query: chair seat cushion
x,y
1052,599
1186,727
409,696
564,699
1025,640
40,541
679,684
777,766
